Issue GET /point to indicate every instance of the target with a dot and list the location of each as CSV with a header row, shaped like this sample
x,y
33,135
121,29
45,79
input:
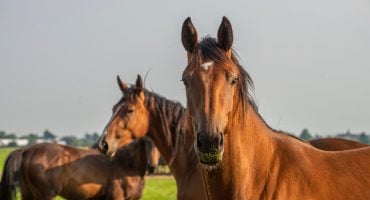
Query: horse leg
x,y
37,187
115,191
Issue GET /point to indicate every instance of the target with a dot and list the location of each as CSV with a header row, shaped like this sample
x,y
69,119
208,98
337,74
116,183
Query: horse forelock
x,y
209,52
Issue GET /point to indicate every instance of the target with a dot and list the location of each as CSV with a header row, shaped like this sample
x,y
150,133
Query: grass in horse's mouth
x,y
210,158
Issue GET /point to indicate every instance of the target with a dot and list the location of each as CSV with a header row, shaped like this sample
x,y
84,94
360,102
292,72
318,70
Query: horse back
x,y
305,172
335,144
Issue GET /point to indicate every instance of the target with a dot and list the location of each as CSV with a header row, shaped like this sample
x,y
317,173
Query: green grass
x,y
4,152
156,188
159,188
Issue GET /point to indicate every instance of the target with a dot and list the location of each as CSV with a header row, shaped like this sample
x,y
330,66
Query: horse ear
x,y
189,35
225,35
121,84
139,83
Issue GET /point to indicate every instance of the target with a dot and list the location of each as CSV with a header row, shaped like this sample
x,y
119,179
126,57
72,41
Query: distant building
x,y
61,142
4,142
19,142
40,140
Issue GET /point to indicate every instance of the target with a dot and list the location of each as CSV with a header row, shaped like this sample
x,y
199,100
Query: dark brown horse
x,y
139,111
241,156
335,144
11,175
154,157
47,170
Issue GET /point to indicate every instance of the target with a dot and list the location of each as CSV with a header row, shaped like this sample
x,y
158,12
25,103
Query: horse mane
x,y
171,113
173,121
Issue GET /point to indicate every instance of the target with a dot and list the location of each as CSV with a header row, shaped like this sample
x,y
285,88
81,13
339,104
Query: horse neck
x,y
171,134
248,151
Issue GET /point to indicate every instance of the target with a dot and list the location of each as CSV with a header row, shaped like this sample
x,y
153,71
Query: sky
x,y
309,59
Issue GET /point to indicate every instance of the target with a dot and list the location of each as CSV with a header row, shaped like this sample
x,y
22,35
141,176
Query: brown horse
x,y
142,113
241,156
140,110
47,170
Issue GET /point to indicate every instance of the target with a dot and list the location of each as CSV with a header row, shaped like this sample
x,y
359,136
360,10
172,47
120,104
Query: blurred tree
x,y
47,135
364,138
95,137
87,136
10,136
71,141
32,138
2,134
305,135
12,144
89,139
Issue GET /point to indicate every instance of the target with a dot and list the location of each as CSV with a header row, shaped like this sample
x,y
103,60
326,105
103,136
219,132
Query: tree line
x,y
360,137
87,140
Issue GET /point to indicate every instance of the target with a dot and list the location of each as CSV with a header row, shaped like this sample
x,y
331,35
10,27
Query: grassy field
x,y
156,187
3,154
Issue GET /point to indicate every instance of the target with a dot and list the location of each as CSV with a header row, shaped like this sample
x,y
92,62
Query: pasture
x,y
156,187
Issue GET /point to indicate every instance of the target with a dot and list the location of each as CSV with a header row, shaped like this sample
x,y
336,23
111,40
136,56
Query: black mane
x,y
171,113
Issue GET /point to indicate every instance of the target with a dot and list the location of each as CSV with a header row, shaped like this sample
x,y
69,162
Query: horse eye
x,y
233,81
130,111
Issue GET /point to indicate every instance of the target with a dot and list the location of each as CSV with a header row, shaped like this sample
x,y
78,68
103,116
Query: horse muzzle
x,y
209,147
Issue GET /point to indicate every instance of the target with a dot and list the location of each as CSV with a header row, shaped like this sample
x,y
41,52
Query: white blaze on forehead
x,y
206,65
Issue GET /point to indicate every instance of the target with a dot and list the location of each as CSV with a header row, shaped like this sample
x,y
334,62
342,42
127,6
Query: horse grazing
x,y
240,155
143,113
47,170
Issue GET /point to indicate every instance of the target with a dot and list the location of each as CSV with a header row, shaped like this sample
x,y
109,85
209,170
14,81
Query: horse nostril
x,y
210,142
198,141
